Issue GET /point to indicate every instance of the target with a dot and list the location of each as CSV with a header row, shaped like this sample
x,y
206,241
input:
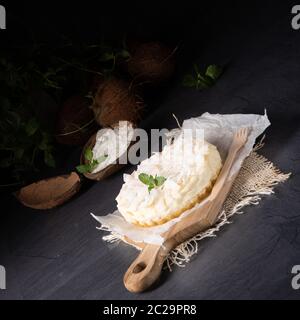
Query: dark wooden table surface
x,y
59,254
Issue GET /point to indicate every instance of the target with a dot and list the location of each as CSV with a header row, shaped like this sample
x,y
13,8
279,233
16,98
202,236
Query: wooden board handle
x,y
145,269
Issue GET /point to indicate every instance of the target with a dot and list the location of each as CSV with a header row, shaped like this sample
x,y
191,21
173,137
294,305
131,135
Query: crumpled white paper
x,y
218,130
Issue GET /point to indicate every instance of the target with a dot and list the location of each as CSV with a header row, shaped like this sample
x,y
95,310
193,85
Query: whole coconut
x,y
115,101
151,62
75,121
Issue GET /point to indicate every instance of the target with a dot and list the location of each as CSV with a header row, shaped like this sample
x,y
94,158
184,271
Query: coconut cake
x,y
185,171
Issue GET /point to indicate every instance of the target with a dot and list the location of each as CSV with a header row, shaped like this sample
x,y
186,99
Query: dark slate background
x,y
59,254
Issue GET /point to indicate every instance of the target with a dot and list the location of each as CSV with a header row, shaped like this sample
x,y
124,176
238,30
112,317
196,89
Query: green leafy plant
x,y
26,146
202,81
23,140
150,181
91,163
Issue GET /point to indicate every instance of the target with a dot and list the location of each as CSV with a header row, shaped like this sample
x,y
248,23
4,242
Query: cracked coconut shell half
x,y
49,193
102,143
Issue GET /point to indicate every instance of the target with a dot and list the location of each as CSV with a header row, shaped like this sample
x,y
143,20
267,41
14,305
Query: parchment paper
x,y
218,130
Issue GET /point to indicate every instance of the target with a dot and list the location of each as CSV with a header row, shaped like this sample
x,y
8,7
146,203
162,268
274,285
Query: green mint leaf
x,y
209,81
159,180
200,81
204,82
150,181
93,165
213,71
150,188
88,154
31,127
83,168
189,81
144,178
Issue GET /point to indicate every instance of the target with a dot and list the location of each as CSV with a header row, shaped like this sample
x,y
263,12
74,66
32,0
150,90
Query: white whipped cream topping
x,y
189,166
112,143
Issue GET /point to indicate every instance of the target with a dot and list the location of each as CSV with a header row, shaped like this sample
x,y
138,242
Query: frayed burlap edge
x,y
257,177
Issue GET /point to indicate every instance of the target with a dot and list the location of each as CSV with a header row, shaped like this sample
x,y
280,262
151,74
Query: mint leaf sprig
x,y
150,181
199,81
91,163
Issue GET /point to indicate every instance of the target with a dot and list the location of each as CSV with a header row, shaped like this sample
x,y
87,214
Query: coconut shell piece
x,y
49,193
106,172
151,63
116,100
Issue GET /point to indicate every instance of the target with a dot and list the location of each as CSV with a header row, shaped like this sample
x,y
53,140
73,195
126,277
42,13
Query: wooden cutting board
x,y
146,268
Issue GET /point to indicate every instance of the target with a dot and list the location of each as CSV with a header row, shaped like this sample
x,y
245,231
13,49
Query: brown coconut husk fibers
x,y
75,121
116,101
152,62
